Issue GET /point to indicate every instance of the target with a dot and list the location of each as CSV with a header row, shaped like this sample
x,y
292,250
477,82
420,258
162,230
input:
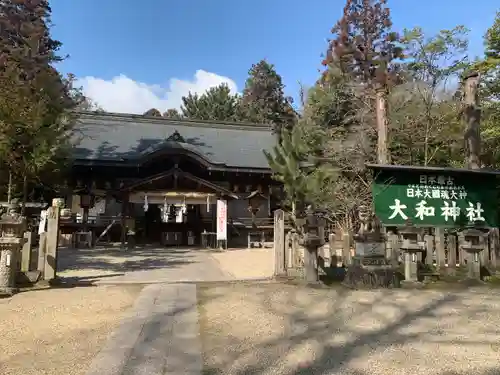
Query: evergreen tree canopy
x,y
216,104
264,100
172,113
35,100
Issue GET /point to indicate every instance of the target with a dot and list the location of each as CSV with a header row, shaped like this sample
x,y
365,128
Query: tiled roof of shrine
x,y
123,138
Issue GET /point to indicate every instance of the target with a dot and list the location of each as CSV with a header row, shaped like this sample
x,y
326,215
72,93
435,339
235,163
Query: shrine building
x,y
159,180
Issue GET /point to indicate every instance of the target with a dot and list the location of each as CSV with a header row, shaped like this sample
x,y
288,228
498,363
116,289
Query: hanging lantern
x,y
146,204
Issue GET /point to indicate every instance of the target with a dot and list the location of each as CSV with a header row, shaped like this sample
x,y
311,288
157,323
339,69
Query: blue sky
x,y
155,47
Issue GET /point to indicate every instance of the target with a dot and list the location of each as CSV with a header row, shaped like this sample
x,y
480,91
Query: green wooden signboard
x,y
438,198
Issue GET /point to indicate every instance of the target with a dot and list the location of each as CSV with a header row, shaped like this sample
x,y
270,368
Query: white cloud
x,y
123,94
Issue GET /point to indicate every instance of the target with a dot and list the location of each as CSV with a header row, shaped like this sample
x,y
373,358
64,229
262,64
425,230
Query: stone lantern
x,y
412,247
473,245
313,224
12,228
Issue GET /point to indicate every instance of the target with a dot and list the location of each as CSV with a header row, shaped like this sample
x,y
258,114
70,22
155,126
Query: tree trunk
x,y
9,188
25,194
381,116
472,119
310,260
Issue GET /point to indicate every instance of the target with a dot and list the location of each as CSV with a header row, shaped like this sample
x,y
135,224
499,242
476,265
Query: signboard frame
x,y
435,197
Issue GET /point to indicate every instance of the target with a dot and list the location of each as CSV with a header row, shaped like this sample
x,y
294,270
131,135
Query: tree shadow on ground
x,y
337,332
120,261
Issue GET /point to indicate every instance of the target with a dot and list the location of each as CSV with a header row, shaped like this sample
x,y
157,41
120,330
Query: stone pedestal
x,y
371,268
12,228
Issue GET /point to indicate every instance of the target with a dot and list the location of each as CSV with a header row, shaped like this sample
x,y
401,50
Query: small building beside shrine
x,y
162,180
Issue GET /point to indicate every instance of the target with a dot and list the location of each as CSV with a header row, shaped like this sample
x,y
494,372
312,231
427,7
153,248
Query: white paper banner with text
x,y
221,220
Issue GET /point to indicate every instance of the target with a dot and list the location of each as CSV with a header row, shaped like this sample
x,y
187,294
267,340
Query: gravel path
x,y
288,330
58,331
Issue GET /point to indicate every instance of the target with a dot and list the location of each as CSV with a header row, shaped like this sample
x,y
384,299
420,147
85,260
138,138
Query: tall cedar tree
x,y
35,122
364,45
264,99
216,104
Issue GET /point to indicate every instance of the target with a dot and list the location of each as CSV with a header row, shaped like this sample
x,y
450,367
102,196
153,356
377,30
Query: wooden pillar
x,y
125,202
279,243
50,269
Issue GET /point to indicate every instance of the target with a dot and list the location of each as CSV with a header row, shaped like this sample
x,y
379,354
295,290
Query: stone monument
x,y
370,266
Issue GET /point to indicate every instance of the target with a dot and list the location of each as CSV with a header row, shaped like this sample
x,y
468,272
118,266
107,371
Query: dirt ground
x,y
246,264
59,331
282,329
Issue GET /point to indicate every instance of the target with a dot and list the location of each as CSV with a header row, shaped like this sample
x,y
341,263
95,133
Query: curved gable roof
x,y
130,138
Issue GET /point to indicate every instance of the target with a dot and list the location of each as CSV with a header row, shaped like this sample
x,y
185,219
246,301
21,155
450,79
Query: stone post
x,y
279,243
26,252
440,247
52,239
42,250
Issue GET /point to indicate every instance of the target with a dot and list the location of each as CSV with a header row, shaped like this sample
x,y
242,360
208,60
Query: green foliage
x,y
264,100
35,100
294,163
172,113
216,104
331,102
425,126
490,65
436,59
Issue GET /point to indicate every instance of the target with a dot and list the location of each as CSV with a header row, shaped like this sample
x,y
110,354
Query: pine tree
x,y
264,99
216,104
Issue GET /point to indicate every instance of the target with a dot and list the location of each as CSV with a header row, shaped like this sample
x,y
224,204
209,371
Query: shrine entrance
x,y
174,209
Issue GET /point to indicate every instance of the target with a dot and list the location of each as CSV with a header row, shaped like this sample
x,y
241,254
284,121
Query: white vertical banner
x,y
221,220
